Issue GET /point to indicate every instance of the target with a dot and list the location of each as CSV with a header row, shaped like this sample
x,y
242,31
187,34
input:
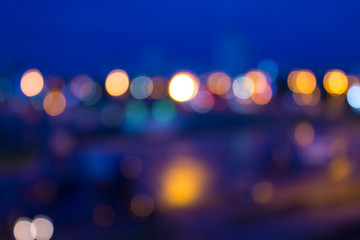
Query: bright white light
x,y
182,87
44,228
23,230
353,96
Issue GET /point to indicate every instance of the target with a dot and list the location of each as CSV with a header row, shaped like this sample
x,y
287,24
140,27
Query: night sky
x,y
160,37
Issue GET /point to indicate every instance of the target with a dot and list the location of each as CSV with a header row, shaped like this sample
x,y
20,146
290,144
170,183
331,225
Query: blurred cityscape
x,y
179,120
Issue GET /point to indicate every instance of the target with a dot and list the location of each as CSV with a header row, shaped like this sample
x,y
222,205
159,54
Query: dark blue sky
x,y
159,37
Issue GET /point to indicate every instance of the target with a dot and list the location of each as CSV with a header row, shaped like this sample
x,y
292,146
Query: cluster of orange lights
x,y
304,87
254,86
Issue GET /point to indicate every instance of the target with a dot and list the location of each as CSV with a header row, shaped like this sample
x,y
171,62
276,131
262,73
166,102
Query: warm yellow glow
x,y
117,82
304,134
32,82
54,103
183,87
262,192
305,82
142,205
219,83
183,183
262,90
339,169
335,82
291,81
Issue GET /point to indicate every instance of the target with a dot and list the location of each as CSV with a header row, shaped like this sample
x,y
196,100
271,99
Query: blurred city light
x,y
183,87
141,87
117,82
335,82
32,82
219,83
183,182
54,103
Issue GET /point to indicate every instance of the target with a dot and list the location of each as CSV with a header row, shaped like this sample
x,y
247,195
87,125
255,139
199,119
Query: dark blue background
x,y
159,37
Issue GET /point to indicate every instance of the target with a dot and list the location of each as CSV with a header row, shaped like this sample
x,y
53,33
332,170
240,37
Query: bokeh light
x,y
304,134
142,205
32,82
183,87
44,228
159,88
23,229
54,103
117,82
335,82
183,182
95,96
136,113
262,192
305,82
203,102
262,87
339,169
82,87
219,83
353,96
302,81
270,67
243,87
310,99
141,87
163,110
